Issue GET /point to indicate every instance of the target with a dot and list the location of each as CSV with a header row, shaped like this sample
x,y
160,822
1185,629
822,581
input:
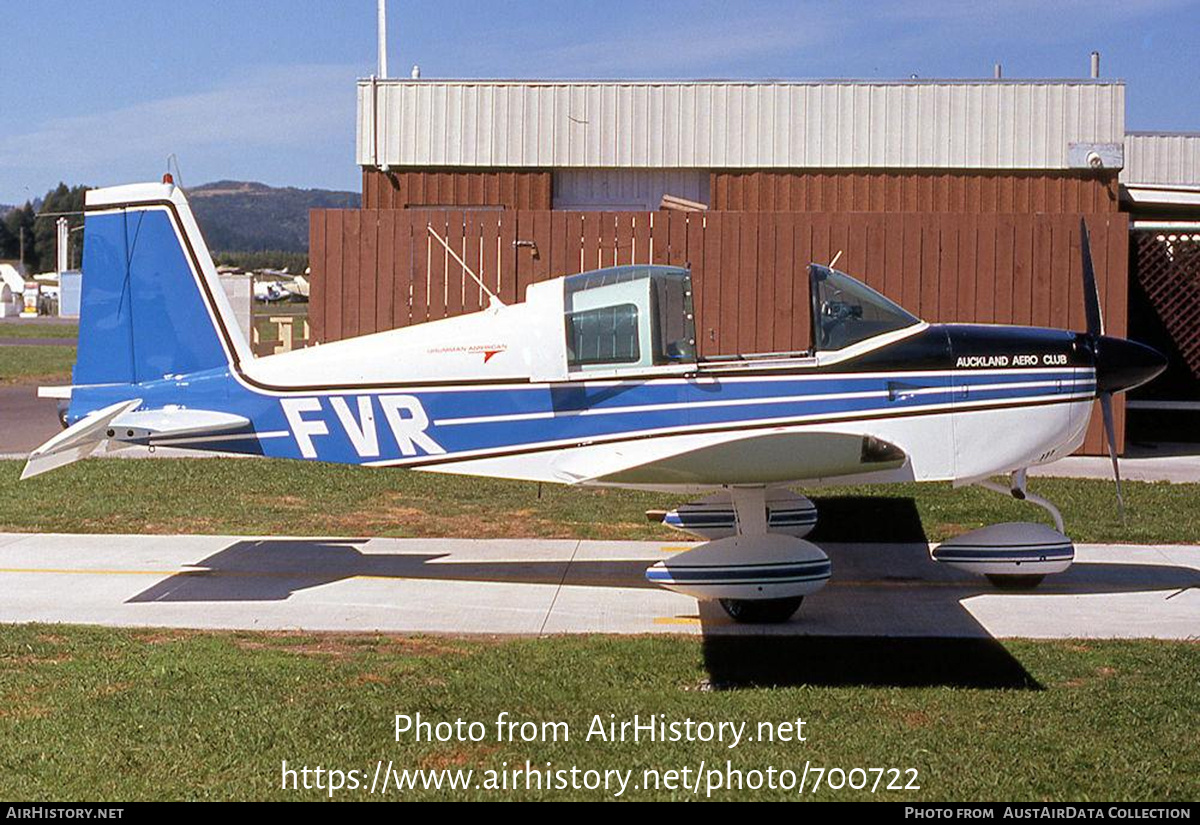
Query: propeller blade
x,y
1091,295
1110,431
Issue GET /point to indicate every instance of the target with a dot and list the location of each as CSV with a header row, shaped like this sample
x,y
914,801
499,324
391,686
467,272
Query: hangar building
x,y
961,199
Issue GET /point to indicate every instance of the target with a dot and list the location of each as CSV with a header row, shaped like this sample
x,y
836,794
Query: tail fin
x,y
151,303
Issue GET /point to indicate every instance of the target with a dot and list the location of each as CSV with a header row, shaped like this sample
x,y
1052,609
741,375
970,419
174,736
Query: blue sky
x,y
101,91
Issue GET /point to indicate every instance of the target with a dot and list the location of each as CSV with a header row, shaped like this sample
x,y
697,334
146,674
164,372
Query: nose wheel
x,y
1014,556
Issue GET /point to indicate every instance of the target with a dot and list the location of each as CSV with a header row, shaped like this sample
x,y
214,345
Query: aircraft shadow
x,y
867,519
859,631
737,662
274,569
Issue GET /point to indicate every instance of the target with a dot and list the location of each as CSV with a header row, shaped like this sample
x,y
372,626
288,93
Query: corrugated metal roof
x,y
1163,158
730,124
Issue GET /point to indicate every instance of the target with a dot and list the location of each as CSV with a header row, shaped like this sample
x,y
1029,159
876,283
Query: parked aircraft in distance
x,y
595,381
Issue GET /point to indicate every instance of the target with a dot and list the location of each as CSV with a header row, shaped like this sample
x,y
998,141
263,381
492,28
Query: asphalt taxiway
x,y
532,587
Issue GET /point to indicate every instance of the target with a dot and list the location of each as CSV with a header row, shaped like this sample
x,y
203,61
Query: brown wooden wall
x,y
415,188
973,192
377,269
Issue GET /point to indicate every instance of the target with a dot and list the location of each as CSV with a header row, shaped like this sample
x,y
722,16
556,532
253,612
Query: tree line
x,y
251,232
29,232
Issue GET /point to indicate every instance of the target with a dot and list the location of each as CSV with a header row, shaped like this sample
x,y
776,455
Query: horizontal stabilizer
x,y
77,441
163,426
60,392
119,426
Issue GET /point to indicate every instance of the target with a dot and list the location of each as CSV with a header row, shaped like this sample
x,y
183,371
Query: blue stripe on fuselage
x,y
506,417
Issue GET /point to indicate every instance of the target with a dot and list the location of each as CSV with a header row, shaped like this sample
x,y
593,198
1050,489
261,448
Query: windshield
x,y
846,311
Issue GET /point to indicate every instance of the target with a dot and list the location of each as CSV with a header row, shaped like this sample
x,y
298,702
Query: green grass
x,y
36,363
104,714
246,496
19,329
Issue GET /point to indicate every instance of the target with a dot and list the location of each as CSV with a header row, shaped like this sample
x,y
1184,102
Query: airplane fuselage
x,y
961,401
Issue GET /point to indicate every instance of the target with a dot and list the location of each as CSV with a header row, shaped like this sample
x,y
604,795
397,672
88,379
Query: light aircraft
x,y
595,381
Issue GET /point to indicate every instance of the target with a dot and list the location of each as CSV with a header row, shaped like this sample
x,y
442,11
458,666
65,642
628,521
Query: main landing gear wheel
x,y
761,611
1015,582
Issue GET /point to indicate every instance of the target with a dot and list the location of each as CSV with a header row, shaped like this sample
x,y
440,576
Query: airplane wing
x,y
766,458
119,424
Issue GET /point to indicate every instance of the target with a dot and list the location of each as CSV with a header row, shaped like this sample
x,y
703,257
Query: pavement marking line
x,y
83,572
223,574
557,590
688,620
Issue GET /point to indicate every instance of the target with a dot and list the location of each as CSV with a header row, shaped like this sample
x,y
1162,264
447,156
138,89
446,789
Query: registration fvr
x,y
405,416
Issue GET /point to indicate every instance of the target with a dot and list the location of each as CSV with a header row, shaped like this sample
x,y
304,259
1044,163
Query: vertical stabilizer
x,y
151,303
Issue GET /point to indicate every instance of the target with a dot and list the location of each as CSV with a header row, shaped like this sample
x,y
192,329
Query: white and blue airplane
x,y
595,380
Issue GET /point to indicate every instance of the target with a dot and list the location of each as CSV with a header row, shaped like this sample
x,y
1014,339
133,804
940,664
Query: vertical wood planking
x,y
1059,273
617,237
911,265
802,234
542,236
745,276
893,257
385,269
318,273
403,269
966,266
660,237
950,278
524,253
1005,267
1043,256
1022,274
456,276
678,253
592,243
709,287
351,286
766,275
780,283
368,300
731,237
422,254
561,249
507,264
930,274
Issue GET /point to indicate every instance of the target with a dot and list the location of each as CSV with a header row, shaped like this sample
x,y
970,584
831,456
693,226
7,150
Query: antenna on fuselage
x,y
836,258
492,299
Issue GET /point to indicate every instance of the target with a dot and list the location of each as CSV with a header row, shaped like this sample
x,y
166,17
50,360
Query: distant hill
x,y
252,217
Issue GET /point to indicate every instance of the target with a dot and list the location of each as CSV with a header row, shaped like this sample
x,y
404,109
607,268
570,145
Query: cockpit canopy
x,y
629,320
846,311
629,317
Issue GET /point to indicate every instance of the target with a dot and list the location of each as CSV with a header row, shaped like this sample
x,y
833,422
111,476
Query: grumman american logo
x,y
488,351
405,416
1022,360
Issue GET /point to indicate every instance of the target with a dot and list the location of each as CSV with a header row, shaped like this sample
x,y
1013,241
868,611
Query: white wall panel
x,y
859,124
1162,158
